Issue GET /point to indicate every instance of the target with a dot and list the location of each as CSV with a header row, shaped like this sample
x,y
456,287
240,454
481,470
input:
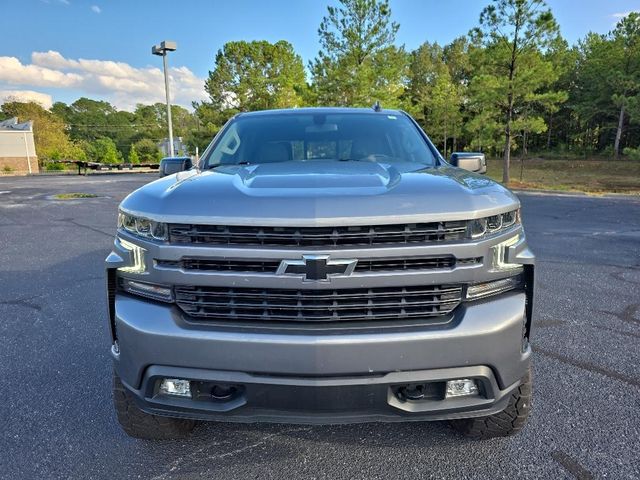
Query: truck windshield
x,y
271,138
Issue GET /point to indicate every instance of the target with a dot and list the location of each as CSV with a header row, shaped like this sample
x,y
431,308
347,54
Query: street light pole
x,y
166,89
161,50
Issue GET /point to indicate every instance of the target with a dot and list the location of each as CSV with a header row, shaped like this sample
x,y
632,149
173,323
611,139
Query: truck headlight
x,y
480,227
482,290
142,227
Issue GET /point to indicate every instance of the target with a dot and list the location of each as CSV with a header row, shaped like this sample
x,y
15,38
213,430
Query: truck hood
x,y
319,193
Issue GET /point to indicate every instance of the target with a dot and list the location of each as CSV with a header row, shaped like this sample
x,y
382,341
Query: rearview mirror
x,y
473,162
322,128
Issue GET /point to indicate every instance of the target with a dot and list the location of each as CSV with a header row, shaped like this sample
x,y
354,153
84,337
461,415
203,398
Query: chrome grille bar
x,y
318,236
363,265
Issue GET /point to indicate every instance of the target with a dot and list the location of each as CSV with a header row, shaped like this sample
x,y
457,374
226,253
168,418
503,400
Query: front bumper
x,y
320,377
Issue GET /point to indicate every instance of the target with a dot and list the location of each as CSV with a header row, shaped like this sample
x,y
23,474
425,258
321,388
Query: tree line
x,y
510,86
95,130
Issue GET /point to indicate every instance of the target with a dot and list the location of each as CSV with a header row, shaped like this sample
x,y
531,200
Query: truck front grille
x,y
249,304
318,236
271,266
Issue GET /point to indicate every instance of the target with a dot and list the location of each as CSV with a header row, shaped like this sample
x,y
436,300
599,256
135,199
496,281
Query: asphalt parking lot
x,y
57,419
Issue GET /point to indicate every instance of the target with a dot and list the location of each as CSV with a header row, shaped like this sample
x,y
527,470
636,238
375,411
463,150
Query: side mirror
x,y
169,166
473,162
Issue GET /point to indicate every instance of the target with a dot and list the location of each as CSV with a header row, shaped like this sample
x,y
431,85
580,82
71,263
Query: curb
x,y
561,193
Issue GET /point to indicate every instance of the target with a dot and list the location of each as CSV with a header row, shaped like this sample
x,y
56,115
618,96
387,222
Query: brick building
x,y
17,149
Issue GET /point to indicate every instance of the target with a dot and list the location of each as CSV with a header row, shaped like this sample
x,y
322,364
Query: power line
x,y
115,126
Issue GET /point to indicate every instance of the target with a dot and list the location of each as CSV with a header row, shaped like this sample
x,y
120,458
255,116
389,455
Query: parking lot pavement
x,y
58,421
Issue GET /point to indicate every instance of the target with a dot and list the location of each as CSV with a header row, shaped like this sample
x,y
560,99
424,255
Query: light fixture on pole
x,y
161,50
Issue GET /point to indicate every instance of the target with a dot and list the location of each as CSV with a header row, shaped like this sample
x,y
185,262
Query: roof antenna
x,y
377,107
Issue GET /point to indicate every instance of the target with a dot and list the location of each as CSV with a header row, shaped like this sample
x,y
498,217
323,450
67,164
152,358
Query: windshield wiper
x,y
229,165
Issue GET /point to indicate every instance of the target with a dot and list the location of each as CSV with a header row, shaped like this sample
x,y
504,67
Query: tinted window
x,y
306,137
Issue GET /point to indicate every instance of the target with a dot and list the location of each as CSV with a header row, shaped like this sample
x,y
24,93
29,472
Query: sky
x,y
60,50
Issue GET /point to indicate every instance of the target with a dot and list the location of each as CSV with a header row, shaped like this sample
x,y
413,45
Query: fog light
x,y
176,387
149,290
481,290
461,388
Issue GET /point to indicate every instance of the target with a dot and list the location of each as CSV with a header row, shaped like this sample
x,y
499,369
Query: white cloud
x,y
26,96
117,82
621,15
65,2
14,72
96,9
617,17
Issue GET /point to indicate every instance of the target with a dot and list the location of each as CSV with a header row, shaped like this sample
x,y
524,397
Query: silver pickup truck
x,y
321,266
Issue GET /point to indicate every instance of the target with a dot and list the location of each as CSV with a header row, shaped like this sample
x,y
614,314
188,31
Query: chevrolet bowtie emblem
x,y
317,267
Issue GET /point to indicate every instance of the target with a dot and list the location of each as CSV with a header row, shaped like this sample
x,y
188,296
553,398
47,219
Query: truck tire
x,y
508,422
138,424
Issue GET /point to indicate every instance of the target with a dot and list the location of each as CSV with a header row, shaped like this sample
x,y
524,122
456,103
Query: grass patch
x,y
71,196
591,176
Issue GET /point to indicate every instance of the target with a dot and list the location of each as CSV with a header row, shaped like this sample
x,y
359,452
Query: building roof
x,y
12,124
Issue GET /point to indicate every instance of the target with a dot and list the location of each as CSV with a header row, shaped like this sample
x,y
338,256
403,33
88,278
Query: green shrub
x,y
7,169
54,167
104,150
133,156
632,153
147,151
608,151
